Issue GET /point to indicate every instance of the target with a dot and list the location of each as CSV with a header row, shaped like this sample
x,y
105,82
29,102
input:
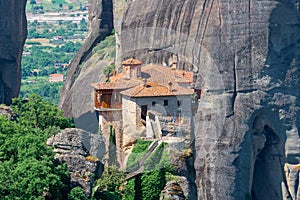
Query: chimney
x,y
170,86
174,65
144,82
132,68
127,72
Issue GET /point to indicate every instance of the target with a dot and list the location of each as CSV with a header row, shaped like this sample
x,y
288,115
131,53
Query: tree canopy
x,y
28,169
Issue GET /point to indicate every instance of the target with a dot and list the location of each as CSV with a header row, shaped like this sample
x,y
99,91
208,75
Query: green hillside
x,y
39,6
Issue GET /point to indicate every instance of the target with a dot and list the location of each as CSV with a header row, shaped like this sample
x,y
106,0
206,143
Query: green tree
x,y
27,167
77,193
37,113
110,185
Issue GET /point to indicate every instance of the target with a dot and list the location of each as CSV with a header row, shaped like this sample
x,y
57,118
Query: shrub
x,y
139,150
77,193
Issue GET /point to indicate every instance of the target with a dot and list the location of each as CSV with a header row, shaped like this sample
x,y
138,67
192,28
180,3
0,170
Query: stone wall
x,y
129,117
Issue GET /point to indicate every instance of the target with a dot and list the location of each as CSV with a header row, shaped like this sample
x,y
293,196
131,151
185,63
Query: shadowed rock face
x,y
101,25
13,32
245,55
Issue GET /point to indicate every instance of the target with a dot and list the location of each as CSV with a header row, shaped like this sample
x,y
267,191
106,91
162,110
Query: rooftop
x,y
116,85
131,61
158,80
151,89
56,75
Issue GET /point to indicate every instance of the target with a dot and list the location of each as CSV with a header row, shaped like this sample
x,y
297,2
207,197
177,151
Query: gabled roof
x,y
158,78
164,75
116,85
131,61
151,89
160,74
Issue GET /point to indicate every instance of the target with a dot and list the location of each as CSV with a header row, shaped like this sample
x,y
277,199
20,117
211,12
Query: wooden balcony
x,y
105,106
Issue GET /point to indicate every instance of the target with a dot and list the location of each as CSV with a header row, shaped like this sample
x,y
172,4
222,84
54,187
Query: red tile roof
x,y
151,89
158,78
164,75
116,85
131,61
56,75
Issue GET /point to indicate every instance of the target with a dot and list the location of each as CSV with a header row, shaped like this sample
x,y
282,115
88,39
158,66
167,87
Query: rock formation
x,y
172,191
13,32
245,57
101,25
81,151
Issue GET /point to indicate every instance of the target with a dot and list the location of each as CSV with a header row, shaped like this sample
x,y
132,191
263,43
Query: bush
x,y
139,150
77,193
109,185
28,169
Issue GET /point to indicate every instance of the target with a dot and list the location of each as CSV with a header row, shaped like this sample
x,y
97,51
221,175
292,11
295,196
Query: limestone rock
x,y
245,56
13,32
172,191
81,151
101,25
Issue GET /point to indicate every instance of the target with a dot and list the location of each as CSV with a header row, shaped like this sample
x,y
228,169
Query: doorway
x,y
144,109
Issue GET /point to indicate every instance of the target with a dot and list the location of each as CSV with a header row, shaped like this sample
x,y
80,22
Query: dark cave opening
x,y
268,167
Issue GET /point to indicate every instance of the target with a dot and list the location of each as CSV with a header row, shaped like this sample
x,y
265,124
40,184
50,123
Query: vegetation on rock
x,y
28,169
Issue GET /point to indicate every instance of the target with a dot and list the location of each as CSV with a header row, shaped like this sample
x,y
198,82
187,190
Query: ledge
x,y
107,109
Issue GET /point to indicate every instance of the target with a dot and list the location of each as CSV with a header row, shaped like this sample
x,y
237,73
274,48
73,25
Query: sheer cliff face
x,y
75,96
245,55
13,32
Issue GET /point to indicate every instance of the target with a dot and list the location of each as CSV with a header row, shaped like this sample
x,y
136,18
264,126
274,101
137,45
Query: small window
x,y
179,103
166,102
117,97
153,103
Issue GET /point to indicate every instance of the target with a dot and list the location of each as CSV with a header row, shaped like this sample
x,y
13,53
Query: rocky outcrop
x,y
101,25
81,151
172,191
13,32
245,56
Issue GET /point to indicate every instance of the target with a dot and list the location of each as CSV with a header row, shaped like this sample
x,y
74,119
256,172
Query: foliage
x,y
27,166
157,169
38,113
57,5
159,159
42,87
109,186
77,193
129,193
106,48
152,184
139,150
108,70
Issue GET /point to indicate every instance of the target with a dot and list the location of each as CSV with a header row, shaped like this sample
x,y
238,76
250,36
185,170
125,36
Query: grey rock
x,y
13,32
172,191
82,152
101,25
245,57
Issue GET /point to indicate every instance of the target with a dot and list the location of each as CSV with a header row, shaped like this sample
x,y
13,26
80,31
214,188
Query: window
x,y
166,102
179,103
153,103
117,97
